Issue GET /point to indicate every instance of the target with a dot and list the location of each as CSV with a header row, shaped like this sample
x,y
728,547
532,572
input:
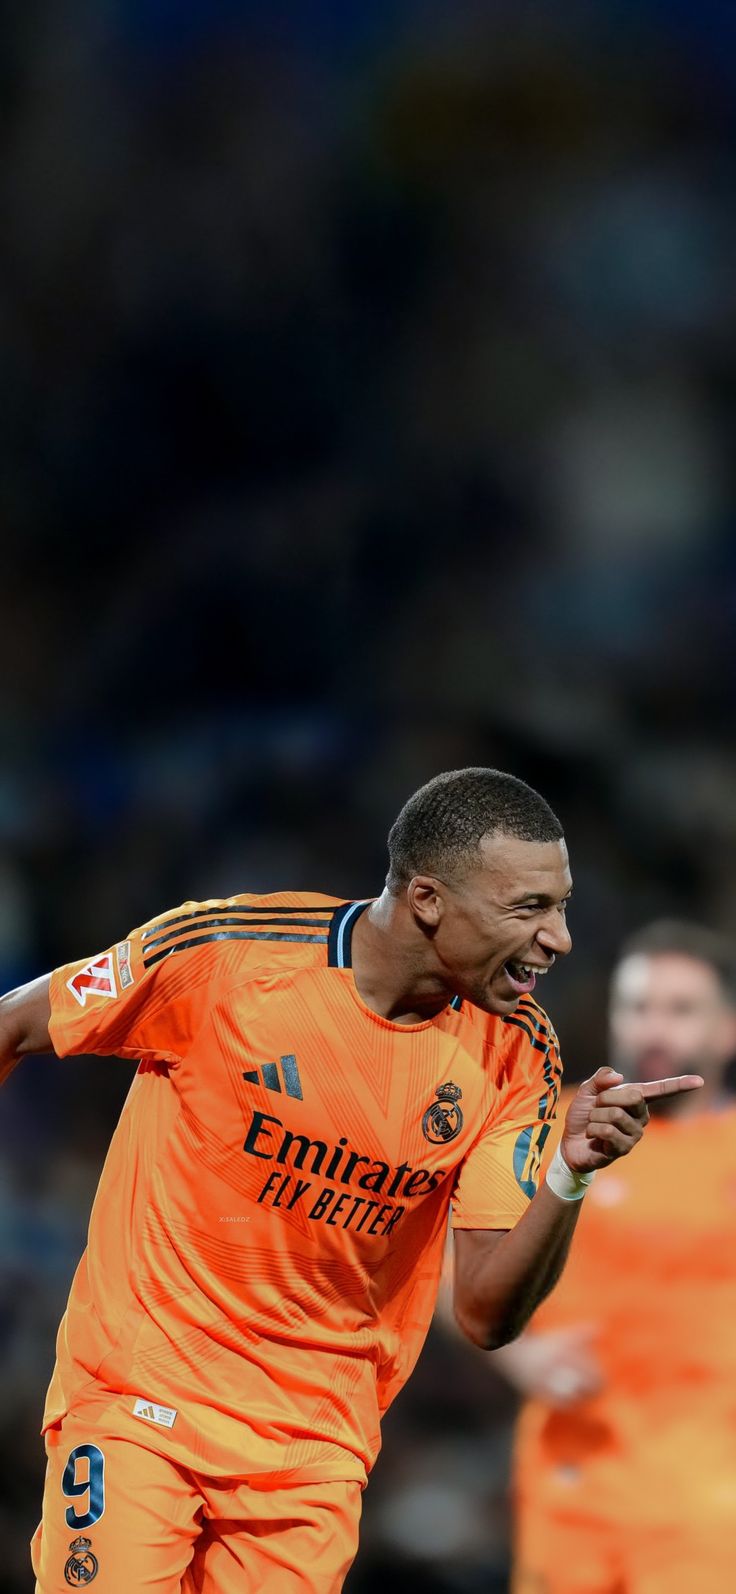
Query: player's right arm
x,y
501,1277
144,998
24,1023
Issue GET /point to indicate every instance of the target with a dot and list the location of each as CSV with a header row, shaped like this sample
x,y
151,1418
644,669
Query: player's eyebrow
x,y
543,898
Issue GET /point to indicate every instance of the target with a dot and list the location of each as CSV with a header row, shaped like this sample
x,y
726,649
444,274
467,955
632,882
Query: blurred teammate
x,y
625,1475
317,1079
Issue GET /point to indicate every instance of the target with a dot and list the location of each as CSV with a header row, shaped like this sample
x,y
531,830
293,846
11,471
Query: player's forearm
x,y
501,1291
24,1023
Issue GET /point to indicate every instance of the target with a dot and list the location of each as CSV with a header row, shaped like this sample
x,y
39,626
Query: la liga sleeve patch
x,y
97,978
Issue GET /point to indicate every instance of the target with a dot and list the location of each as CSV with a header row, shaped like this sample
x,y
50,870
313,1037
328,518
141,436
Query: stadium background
x,y
367,410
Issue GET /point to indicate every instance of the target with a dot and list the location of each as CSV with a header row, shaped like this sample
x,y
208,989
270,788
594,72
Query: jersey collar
x,y
340,938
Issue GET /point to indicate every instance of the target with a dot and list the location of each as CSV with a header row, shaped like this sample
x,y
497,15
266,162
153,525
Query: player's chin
x,y
498,1001
504,1009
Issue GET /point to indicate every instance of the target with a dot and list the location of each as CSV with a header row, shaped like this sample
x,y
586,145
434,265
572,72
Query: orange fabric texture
x,y
583,1555
654,1265
267,1236
167,1529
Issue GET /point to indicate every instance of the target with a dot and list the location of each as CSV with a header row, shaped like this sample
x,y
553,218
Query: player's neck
x,y
388,969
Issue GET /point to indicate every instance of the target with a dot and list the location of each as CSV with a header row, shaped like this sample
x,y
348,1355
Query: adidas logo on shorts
x,y
165,1416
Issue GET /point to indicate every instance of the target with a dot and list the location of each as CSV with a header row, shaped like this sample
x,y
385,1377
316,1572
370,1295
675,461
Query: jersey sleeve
x,y
135,999
499,1176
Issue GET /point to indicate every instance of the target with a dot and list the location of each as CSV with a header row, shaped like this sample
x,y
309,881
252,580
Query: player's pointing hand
x,y
607,1118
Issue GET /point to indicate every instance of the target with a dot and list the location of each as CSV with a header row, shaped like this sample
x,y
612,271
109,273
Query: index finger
x,y
670,1087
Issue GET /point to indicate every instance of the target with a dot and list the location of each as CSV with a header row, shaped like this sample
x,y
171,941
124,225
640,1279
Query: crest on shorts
x,y
82,1565
444,1119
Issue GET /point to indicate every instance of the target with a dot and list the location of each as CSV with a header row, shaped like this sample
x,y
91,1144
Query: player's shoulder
x,y
528,1028
531,1020
530,1047
267,928
250,906
290,901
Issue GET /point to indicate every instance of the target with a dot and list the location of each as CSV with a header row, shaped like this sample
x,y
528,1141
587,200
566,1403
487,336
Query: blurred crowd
x,y
368,386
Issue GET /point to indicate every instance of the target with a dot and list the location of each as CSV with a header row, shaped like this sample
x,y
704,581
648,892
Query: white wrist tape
x,y
564,1182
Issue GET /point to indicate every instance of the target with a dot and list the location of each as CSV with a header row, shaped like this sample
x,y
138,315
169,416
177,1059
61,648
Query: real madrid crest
x,y
82,1565
444,1119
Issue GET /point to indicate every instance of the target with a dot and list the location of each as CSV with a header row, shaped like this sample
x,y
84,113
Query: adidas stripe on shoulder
x,y
534,1023
186,931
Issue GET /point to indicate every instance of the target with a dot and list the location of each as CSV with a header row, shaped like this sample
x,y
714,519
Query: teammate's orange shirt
x,y
653,1264
266,1240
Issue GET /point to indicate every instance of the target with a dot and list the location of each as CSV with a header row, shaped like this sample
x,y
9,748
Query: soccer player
x,y
626,1452
317,1082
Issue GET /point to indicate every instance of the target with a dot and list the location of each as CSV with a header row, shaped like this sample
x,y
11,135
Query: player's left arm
x,y
503,1274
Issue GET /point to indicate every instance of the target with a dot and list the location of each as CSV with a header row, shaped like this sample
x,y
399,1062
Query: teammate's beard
x,y
656,1063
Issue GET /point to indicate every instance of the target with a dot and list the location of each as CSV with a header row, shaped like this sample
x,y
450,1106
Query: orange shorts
x,y
124,1517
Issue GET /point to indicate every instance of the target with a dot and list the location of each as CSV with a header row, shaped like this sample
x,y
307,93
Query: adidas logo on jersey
x,y
269,1076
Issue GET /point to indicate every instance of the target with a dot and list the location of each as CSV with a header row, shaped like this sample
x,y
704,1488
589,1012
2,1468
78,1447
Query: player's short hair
x,y
687,939
440,828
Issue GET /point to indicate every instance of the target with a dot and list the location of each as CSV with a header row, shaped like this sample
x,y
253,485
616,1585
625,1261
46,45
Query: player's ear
x,y
424,895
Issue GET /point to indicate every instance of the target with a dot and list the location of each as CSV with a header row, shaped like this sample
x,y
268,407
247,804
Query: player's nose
x,y
555,937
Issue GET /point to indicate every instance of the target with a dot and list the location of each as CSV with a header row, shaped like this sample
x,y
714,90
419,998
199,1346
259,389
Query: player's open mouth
x,y
523,976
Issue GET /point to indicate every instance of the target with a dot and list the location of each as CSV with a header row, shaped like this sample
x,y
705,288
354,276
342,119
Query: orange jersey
x,y
267,1236
653,1265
